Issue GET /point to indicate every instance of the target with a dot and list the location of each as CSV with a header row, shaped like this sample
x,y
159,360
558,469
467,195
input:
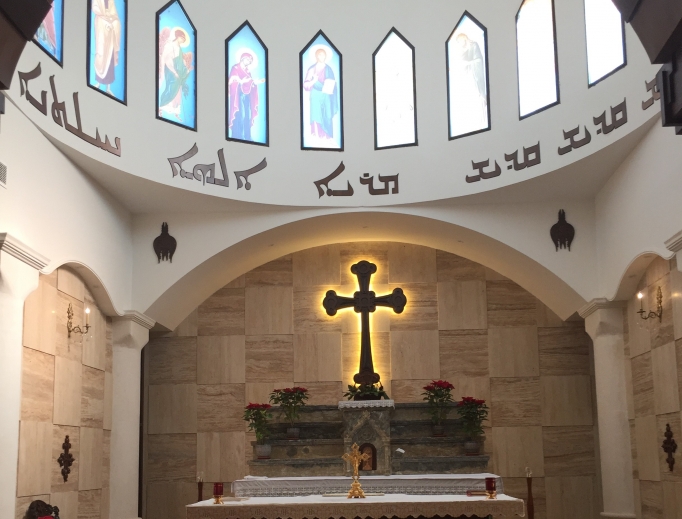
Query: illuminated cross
x,y
363,302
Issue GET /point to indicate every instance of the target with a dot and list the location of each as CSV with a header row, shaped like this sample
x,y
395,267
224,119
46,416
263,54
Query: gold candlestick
x,y
355,457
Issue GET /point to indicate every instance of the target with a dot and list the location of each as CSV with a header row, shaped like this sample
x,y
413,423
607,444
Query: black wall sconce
x,y
77,329
659,306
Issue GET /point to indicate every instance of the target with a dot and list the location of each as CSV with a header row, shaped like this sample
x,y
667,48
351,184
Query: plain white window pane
x,y
394,87
605,46
536,57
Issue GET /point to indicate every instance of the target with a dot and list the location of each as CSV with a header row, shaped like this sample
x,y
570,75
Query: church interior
x,y
375,262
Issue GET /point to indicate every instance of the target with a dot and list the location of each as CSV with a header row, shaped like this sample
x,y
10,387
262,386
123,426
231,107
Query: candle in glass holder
x,y
218,493
491,487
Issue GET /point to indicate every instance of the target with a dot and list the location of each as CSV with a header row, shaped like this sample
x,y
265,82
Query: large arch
x,y
170,308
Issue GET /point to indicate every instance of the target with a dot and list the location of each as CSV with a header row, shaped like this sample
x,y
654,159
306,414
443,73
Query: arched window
x,y
536,57
605,40
467,68
176,76
107,57
246,98
50,35
395,99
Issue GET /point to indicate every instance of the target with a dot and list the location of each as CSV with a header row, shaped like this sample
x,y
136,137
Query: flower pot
x,y
263,452
367,397
293,433
472,448
438,430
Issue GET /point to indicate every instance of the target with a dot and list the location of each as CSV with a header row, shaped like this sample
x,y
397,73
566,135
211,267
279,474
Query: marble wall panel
x,y
318,266
463,353
672,500
70,283
35,455
67,392
661,331
92,398
309,314
513,351
269,358
220,408
411,263
91,450
657,269
569,451
106,459
477,387
509,305
277,272
547,318
414,355
269,310
570,497
566,400
564,351
665,377
37,386
515,448
676,292
232,456
455,268
59,433
90,504
167,500
408,390
189,327
172,457
106,502
515,402
325,393
67,502
381,355
652,500
65,346
630,400
173,408
221,360
518,488
421,311
40,318
643,384
374,252
222,313
678,352
318,357
633,449
639,337
647,440
208,455
172,360
462,305
259,393
95,341
108,400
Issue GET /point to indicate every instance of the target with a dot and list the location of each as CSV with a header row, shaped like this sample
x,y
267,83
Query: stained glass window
x,y
176,83
536,57
395,103
605,39
50,34
467,65
107,28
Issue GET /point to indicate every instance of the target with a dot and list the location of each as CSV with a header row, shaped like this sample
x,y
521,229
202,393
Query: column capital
x,y
603,317
22,252
674,243
600,303
131,330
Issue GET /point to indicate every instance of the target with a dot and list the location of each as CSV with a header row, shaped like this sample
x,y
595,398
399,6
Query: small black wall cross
x,y
363,302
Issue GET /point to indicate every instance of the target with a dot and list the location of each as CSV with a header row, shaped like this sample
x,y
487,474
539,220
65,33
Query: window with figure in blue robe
x,y
395,99
536,57
605,33
50,35
467,67
107,27
321,95
176,83
246,104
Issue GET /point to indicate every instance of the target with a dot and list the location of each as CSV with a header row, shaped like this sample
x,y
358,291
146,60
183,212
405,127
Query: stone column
x,y
604,324
130,334
19,266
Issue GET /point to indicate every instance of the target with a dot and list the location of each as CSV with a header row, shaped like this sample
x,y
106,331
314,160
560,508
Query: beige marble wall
x,y
463,323
66,390
653,367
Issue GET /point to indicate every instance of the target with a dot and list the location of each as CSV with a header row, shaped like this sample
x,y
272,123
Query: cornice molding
x,y
138,318
674,243
600,303
22,252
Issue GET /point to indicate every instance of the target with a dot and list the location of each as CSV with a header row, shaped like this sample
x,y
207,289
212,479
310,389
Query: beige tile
x,y
411,263
633,449
676,295
564,351
569,451
65,346
90,468
318,357
638,498
221,360
108,400
477,387
518,488
627,363
463,353
67,392
40,318
408,390
421,311
35,455
381,356
189,327
491,275
647,439
509,305
324,393
259,393
643,384
37,386
172,457
92,398
106,458
571,497
232,456
106,502
277,272
678,352
95,341
656,270
70,283
208,455
414,355
309,314
652,500
222,313
269,310
566,400
22,504
547,318
90,504
173,360
515,402
672,499
167,500
455,268
666,390
173,408
513,351
220,408
67,502
269,358
374,252
59,434
462,305
661,331
317,266
639,338
239,282
516,448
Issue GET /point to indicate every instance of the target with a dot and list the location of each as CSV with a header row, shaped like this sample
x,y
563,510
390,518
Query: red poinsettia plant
x,y
257,415
473,413
291,400
438,394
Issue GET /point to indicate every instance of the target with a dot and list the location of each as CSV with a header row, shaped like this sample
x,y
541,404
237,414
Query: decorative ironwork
x,y
562,232
659,307
164,245
66,459
669,446
355,457
69,322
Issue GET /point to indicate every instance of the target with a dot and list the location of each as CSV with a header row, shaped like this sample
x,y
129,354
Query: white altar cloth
x,y
375,507
418,484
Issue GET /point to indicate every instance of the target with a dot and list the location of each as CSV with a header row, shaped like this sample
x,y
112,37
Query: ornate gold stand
x,y
355,457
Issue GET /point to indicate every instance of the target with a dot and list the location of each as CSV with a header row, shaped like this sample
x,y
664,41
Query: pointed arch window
x,y
538,73
605,33
395,98
176,75
50,34
107,47
466,53
246,60
321,95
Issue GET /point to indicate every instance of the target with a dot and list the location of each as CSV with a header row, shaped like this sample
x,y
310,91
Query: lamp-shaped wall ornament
x,y
669,446
659,306
77,329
